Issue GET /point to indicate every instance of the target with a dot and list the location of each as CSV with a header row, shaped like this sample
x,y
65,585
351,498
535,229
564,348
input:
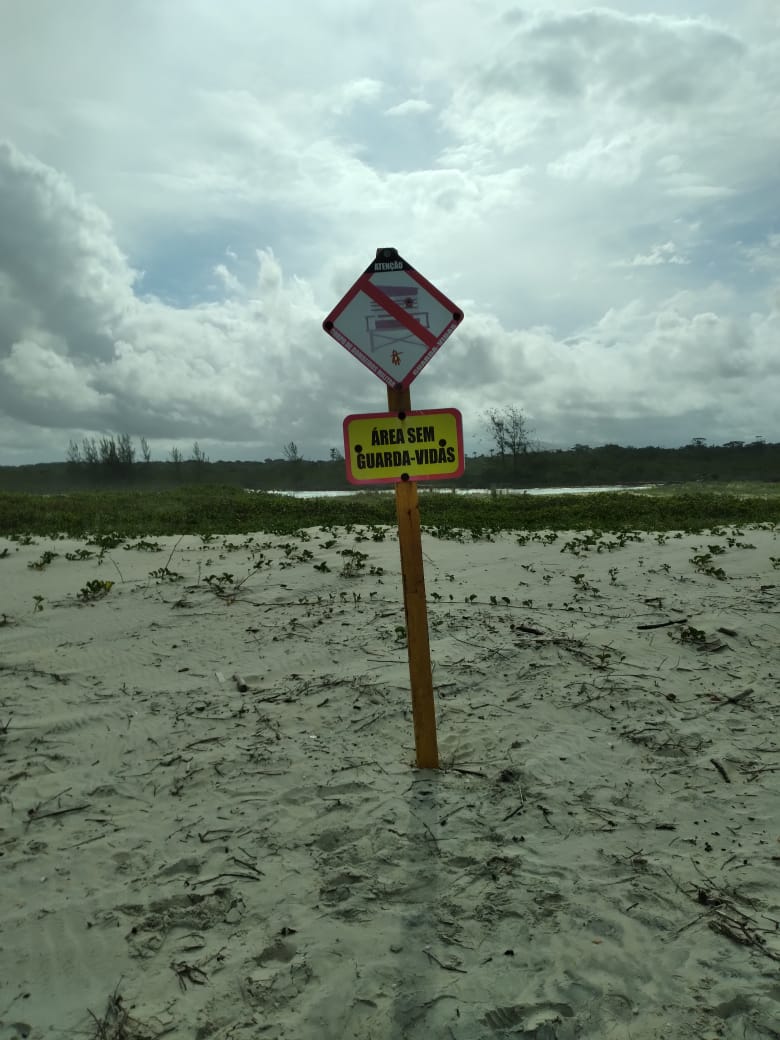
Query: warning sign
x,y
393,319
385,447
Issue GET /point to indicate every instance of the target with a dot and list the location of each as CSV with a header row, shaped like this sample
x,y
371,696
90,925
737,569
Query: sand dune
x,y
599,856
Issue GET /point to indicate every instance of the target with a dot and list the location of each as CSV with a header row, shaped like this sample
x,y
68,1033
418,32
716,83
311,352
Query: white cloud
x,y
614,161
764,256
39,374
662,254
702,192
411,107
356,92
596,188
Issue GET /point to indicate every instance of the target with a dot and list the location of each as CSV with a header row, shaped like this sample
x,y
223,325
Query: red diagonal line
x,y
437,294
344,302
400,315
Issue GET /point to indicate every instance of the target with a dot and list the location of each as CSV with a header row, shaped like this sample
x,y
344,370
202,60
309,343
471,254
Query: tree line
x,y
117,452
508,430
513,460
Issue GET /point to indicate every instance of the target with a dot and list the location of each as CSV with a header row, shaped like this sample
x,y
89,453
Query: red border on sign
x,y
374,292
409,415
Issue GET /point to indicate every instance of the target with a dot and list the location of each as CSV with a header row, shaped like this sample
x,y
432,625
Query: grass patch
x,y
205,511
734,488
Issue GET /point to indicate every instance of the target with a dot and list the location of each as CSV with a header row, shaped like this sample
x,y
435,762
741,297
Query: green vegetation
x,y
110,517
110,464
95,589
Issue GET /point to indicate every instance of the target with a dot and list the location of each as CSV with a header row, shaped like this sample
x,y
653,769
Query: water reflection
x,y
467,491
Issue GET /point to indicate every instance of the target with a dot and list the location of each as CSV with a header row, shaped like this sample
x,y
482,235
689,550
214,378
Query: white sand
x,y
269,863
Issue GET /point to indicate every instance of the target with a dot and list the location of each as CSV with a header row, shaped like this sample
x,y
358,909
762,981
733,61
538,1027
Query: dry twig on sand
x,y
116,1022
724,915
721,769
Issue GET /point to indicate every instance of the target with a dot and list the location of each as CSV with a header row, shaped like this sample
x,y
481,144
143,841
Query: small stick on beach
x,y
664,624
736,699
447,967
33,814
721,770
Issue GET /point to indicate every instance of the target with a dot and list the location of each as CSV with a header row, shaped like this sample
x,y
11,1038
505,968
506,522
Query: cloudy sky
x,y
187,189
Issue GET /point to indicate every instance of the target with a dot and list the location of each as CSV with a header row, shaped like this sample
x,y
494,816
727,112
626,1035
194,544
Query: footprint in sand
x,y
536,1021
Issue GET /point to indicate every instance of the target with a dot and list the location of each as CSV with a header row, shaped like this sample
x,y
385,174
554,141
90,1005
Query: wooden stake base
x,y
415,608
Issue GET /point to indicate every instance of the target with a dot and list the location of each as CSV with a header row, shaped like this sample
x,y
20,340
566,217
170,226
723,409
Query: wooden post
x,y
415,607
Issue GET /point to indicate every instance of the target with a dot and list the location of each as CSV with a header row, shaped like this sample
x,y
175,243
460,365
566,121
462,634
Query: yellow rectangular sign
x,y
385,447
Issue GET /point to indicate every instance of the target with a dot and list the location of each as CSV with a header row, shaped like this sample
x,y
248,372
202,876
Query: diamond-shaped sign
x,y
393,319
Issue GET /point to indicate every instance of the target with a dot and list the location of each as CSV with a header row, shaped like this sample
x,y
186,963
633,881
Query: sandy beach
x,y
211,824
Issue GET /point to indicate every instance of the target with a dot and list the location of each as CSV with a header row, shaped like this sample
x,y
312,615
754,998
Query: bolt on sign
x,y
392,319
384,447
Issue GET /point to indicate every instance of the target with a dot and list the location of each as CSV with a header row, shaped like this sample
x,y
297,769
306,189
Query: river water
x,y
471,491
